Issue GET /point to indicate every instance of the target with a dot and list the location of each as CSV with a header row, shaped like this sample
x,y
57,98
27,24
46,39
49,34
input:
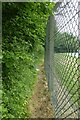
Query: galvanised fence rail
x,y
62,58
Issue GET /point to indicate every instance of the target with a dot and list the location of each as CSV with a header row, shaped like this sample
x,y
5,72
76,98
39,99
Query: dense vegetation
x,y
65,42
23,41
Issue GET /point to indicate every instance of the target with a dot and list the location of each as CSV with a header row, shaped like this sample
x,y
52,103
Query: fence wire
x,y
62,59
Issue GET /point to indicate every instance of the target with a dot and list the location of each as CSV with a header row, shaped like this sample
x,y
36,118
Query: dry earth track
x,y
40,103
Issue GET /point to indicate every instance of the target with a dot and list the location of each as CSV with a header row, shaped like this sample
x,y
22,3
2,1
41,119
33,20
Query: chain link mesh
x,y
62,58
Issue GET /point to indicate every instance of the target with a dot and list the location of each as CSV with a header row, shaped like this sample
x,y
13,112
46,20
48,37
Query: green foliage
x,y
18,82
64,43
23,40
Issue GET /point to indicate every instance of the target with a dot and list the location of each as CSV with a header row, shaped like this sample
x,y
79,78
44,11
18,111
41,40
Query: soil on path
x,y
40,104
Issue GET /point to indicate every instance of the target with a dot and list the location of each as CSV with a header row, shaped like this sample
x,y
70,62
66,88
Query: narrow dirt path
x,y
40,104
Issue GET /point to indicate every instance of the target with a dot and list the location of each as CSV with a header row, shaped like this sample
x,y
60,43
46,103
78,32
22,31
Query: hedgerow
x,y
23,40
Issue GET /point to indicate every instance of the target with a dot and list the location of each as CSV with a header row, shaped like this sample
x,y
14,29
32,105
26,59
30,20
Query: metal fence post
x,y
49,57
52,78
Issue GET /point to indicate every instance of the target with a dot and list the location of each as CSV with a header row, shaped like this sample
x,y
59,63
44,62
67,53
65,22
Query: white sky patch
x,y
67,17
54,0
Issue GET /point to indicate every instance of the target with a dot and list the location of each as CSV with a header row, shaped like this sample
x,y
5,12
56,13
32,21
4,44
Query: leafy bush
x,y
23,40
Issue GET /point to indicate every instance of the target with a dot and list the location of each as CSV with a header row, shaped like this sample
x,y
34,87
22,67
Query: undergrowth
x,y
20,69
24,31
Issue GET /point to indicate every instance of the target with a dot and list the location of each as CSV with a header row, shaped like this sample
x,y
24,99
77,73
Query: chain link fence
x,y
62,58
